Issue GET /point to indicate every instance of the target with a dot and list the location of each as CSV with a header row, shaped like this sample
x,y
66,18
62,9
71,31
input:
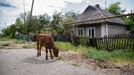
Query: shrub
x,y
83,40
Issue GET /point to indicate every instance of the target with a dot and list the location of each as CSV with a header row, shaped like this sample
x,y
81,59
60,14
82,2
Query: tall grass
x,y
66,46
117,56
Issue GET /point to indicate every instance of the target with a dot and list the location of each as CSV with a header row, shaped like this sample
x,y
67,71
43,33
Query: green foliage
x,y
115,56
118,56
10,30
130,21
43,21
116,9
56,23
69,46
36,24
83,40
3,39
65,46
6,32
68,18
20,25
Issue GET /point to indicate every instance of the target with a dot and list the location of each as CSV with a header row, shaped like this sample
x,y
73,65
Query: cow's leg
x,y
46,54
50,53
39,51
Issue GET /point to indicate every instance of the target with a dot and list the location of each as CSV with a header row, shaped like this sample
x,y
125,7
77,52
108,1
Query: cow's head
x,y
55,51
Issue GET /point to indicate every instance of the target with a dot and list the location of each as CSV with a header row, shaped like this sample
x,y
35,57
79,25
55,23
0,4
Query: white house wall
x,y
85,29
104,30
114,29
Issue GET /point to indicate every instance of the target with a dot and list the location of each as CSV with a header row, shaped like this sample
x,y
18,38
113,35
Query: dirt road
x,y
25,62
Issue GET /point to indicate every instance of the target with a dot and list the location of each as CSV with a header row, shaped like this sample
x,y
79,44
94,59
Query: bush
x,y
84,40
65,46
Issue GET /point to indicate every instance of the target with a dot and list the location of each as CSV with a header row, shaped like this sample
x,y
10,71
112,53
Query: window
x,y
91,32
80,31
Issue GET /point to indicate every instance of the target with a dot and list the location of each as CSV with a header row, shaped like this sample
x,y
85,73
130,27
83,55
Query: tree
x,y
56,23
68,18
20,25
130,21
34,23
116,9
27,23
6,32
10,30
43,21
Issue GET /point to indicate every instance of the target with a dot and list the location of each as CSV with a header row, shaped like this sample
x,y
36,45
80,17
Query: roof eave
x,y
92,23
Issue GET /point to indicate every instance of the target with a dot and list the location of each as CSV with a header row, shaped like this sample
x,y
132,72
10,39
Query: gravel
x,y
25,62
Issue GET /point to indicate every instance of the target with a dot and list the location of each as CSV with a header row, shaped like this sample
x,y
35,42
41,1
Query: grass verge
x,y
117,56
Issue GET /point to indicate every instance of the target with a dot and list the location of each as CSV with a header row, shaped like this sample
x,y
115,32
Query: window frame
x,y
91,28
80,31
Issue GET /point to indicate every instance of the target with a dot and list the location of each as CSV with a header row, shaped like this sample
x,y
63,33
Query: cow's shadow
x,y
37,60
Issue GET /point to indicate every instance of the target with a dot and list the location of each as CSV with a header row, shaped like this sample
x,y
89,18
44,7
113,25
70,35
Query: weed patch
x,y
117,56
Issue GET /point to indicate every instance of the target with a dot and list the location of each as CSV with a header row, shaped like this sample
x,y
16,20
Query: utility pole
x,y
29,23
24,16
24,12
106,4
31,9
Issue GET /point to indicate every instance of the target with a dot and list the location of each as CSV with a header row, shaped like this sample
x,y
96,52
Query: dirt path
x,y
25,62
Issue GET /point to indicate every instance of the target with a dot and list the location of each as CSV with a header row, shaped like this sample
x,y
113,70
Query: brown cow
x,y
46,41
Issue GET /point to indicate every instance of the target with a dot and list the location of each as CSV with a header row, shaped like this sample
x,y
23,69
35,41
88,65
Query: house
x,y
89,23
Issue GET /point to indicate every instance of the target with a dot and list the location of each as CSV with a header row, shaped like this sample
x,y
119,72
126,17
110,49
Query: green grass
x,y
66,46
13,43
117,56
3,39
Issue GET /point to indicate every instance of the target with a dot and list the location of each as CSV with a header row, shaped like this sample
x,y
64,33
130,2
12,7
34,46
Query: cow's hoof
x,y
51,57
38,55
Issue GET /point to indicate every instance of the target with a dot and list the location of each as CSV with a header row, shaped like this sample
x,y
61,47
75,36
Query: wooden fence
x,y
111,42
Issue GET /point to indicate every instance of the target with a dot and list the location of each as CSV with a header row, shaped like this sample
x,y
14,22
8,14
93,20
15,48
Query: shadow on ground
x,y
37,60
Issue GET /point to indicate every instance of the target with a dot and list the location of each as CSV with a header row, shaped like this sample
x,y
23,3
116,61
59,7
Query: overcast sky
x,y
11,9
